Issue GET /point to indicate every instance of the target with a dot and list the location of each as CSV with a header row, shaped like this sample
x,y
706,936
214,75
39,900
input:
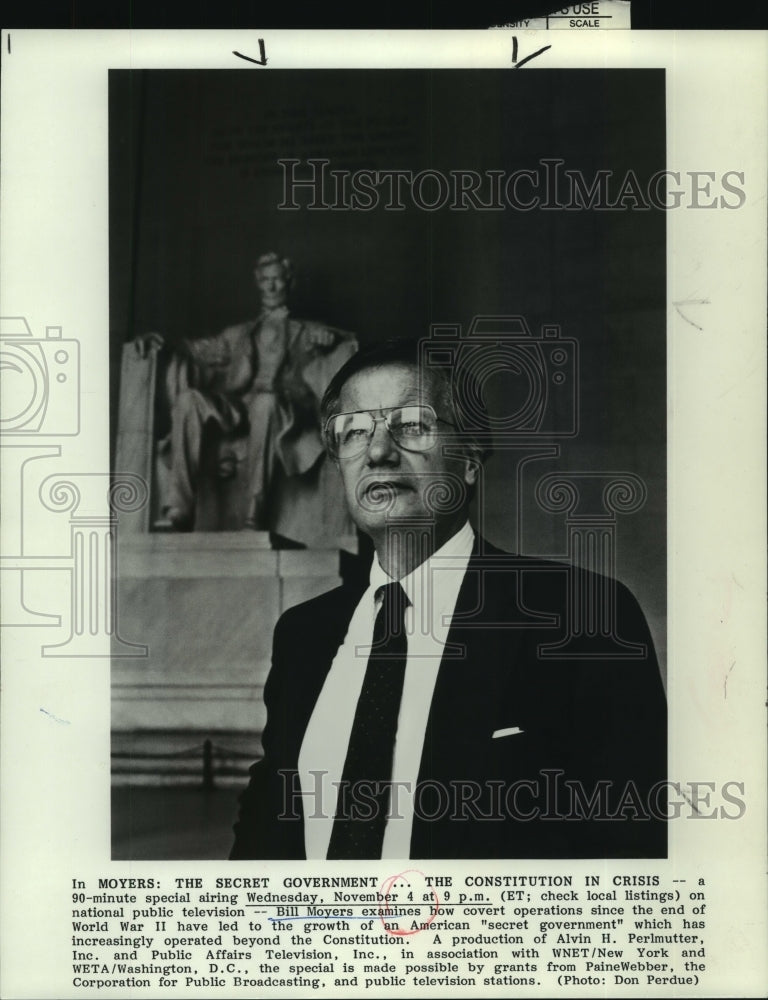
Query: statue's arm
x,y
316,364
146,343
205,351
326,338
214,353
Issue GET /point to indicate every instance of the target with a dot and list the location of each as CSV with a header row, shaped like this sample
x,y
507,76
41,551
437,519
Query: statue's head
x,y
274,276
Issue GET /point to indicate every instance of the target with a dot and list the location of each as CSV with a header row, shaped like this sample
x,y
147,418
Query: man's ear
x,y
472,461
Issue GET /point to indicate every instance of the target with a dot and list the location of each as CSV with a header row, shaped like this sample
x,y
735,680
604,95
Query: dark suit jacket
x,y
583,777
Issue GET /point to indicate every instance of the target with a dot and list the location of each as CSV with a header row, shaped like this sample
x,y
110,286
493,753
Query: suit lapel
x,y
469,693
326,635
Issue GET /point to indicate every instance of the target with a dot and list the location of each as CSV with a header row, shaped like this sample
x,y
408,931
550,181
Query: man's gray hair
x,y
406,352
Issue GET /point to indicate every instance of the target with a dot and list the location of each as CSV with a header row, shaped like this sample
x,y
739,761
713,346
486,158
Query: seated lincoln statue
x,y
244,405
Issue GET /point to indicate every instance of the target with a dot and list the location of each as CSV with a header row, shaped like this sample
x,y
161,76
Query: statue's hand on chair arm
x,y
145,343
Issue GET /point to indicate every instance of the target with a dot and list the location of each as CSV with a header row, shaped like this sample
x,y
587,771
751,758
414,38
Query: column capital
x,y
591,495
94,496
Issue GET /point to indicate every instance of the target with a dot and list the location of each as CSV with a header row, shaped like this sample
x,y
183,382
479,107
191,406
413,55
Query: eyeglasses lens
x,y
414,428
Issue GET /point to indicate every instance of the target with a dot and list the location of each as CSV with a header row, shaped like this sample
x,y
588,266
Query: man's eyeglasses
x,y
412,428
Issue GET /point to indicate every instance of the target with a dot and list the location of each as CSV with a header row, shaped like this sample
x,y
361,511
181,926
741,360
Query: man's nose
x,y
381,447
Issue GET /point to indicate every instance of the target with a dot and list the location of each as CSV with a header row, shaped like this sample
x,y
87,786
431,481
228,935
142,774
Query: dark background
x,y
645,14
195,187
194,190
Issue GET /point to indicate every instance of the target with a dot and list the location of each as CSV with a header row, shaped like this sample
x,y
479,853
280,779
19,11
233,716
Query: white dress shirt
x,y
432,589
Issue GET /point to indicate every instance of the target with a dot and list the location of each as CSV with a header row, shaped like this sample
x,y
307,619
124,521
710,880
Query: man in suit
x,y
436,712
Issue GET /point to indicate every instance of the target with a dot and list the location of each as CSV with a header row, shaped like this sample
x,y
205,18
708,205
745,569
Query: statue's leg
x,y
192,410
261,412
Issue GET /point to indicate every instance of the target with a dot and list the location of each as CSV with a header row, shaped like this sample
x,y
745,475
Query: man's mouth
x,y
378,495
386,486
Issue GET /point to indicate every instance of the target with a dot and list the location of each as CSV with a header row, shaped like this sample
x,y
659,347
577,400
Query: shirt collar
x,y
458,546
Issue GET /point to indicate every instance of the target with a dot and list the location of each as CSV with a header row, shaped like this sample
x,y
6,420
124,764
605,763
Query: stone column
x,y
93,501
15,558
591,502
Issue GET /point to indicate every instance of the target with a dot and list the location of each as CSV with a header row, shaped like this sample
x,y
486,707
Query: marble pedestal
x,y
205,606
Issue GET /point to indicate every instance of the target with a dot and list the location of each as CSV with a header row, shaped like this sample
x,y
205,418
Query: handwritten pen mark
x,y
325,916
690,302
690,802
262,61
725,679
527,59
64,722
532,56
